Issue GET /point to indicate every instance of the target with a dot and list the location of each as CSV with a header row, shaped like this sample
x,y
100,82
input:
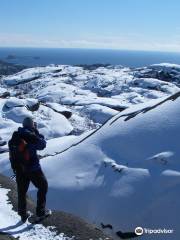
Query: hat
x,y
28,122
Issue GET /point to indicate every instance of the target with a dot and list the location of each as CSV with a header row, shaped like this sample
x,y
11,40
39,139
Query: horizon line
x,y
83,48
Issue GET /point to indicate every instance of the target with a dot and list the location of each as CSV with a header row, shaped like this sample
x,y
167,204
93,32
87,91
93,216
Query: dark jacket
x,y
35,141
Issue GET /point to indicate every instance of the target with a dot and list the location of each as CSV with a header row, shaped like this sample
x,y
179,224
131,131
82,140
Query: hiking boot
x,y
45,214
25,216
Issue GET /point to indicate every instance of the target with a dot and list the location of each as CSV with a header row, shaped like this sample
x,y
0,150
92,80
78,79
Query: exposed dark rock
x,y
92,66
2,143
4,236
126,235
57,71
117,108
67,114
5,95
106,226
164,76
34,107
3,150
172,76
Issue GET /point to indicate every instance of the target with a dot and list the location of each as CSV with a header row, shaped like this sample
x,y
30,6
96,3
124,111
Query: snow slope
x,y
127,173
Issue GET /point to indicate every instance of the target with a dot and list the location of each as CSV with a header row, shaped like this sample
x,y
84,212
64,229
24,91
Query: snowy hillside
x,y
125,173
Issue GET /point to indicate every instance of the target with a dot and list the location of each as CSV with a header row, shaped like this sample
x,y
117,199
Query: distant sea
x,y
46,56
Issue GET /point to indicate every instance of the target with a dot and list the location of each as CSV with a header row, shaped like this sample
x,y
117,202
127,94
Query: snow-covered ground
x,y
127,172
93,96
10,223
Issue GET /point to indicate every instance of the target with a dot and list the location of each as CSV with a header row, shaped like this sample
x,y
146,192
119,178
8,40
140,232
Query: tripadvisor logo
x,y
139,231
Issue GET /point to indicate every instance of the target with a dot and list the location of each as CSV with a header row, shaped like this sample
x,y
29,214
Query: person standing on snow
x,y
25,163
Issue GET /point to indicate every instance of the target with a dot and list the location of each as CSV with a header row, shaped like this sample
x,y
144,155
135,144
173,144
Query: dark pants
x,y
39,181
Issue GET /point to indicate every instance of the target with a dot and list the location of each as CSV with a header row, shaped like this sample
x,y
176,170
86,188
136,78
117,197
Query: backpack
x,y
18,152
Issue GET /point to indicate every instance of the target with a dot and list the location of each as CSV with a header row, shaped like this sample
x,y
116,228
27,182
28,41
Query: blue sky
x,y
116,24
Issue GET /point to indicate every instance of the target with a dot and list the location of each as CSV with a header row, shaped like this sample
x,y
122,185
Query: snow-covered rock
x,y
99,113
164,71
51,123
28,75
57,107
14,102
166,66
155,84
17,114
30,102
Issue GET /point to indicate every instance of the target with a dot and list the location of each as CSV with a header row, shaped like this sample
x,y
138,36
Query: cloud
x,y
128,41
